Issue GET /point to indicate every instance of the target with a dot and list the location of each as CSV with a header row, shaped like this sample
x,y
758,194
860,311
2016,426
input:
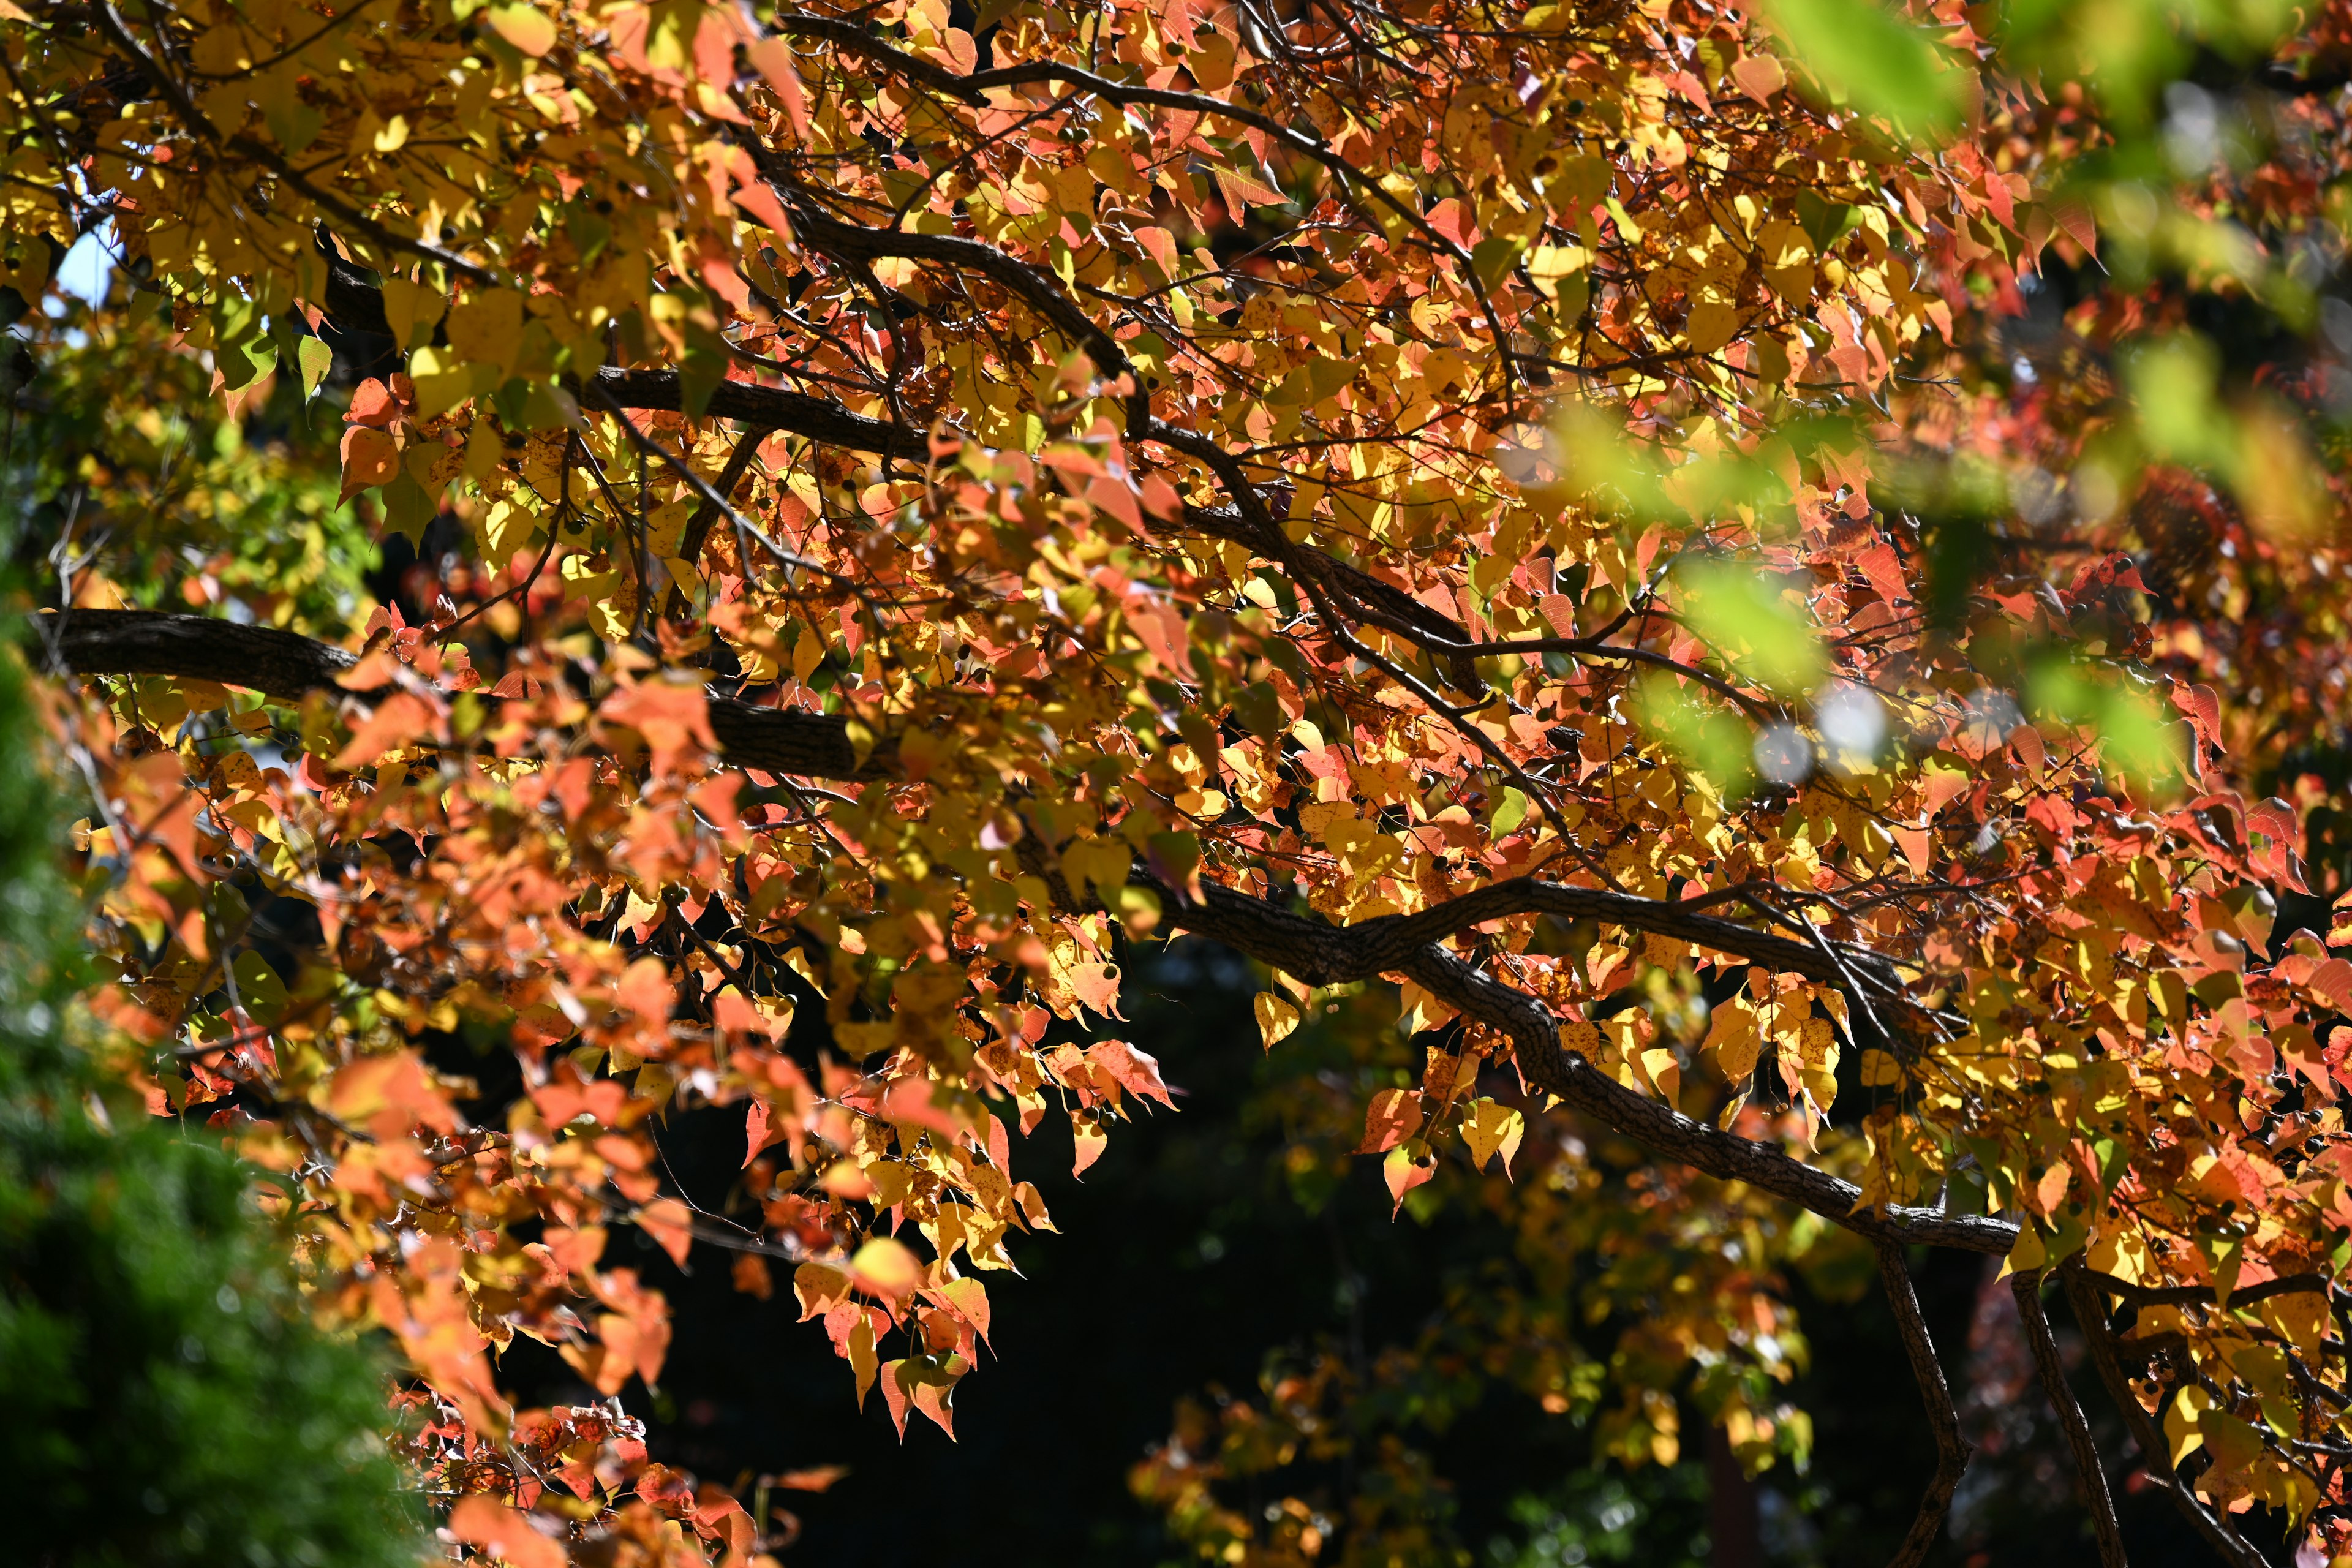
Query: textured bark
x,y
277,664
287,667
1951,1449
819,418
1327,955
2083,1292
2090,1473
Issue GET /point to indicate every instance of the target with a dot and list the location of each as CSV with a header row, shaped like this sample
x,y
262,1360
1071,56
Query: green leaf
x,y
316,359
258,989
1258,709
407,510
1752,627
1707,741
2171,381
2137,740
1875,61
1493,258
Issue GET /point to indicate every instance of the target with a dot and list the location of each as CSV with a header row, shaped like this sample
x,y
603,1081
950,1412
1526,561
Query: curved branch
x,y
1951,1449
2204,1295
2090,1472
356,304
2091,1317
1040,288
271,159
1329,954
1359,189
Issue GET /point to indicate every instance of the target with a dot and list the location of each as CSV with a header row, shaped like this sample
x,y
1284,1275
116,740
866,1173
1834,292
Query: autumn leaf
x,y
1489,1127
1275,1018
885,1268
1395,1113
503,1534
671,1223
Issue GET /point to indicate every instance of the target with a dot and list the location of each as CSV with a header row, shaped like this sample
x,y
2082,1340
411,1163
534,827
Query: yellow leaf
x,y
885,1268
410,309
1275,1018
1660,1065
486,329
524,26
1734,1039
818,1286
2181,1422
861,1359
1489,1127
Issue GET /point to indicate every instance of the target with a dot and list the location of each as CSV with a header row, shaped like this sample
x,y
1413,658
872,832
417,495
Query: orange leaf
x,y
669,716
1137,1071
1393,1116
1404,1170
670,1223
370,458
503,1533
400,721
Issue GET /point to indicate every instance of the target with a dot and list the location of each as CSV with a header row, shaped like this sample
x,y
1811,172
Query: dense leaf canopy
x,y
1769,587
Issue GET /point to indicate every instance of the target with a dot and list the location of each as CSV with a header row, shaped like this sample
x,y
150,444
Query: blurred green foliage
x,y
168,1399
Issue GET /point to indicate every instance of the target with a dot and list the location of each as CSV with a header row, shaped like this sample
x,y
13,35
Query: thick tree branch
x,y
288,667
819,418
2090,1473
1325,954
1951,1449
284,665
2091,1317
2204,1295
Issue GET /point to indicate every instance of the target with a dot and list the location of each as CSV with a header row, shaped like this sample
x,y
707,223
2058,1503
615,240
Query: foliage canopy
x,y
1773,586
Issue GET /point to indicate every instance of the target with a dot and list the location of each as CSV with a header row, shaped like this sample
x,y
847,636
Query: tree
x,y
170,1400
1525,514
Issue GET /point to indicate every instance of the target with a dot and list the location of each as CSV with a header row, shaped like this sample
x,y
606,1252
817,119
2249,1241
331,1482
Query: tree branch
x,y
819,418
2091,1317
1328,954
2090,1473
2204,1295
1951,1449
810,746
288,667
1358,189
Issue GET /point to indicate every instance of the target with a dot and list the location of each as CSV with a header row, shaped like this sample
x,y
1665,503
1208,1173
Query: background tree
x,y
1504,514
170,1400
